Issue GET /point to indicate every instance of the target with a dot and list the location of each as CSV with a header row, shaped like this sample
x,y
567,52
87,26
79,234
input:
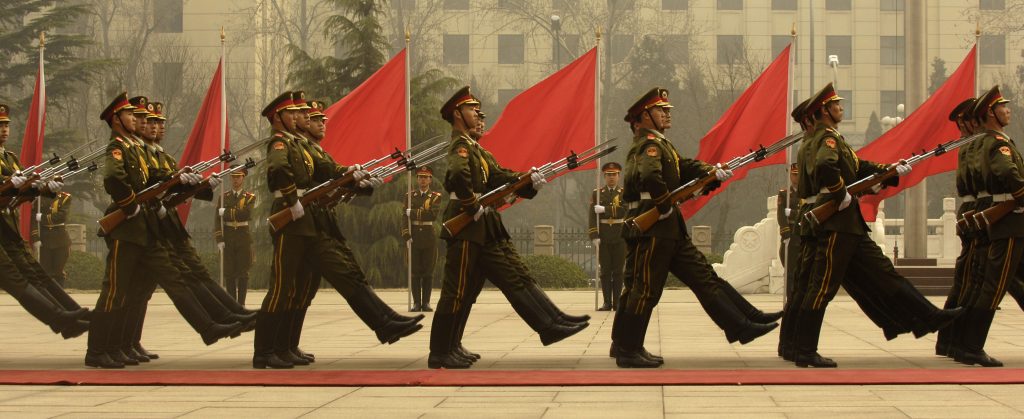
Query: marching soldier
x,y
50,237
231,231
425,205
844,252
653,169
606,207
1000,169
20,274
786,208
475,253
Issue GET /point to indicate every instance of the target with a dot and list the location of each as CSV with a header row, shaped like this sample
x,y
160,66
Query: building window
x,y
837,5
167,78
675,4
992,4
891,5
847,103
168,16
783,4
730,48
993,49
456,4
892,50
456,49
841,45
511,49
678,48
779,43
621,46
568,49
888,99
505,96
730,4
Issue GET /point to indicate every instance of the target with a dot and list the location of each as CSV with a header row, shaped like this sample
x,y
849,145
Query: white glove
x,y
39,217
902,169
18,180
846,201
666,215
297,210
599,209
408,213
353,168
1019,210
214,182
54,186
138,209
371,182
220,212
789,211
722,174
161,212
597,242
37,245
537,179
37,185
220,246
191,178
360,174
479,213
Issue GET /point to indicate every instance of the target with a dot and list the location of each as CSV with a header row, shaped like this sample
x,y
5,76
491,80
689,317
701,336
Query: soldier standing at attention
x,y
422,213
653,170
606,207
50,236
232,234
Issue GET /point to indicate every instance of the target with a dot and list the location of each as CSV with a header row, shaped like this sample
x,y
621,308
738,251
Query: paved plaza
x,y
680,331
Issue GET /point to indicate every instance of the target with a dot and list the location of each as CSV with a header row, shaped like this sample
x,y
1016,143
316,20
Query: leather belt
x,y
1000,197
236,224
612,221
968,198
454,196
299,192
423,223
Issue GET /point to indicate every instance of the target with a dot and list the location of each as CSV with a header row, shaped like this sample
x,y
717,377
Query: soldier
x,y
425,205
50,237
606,205
786,208
231,231
653,169
844,253
20,274
1000,167
475,253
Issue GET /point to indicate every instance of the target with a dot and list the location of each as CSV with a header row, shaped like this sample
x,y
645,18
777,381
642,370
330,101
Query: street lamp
x,y
556,45
889,122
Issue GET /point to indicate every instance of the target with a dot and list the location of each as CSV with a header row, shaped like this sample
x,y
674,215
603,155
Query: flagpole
x,y
977,59
39,130
597,176
223,138
789,163
409,185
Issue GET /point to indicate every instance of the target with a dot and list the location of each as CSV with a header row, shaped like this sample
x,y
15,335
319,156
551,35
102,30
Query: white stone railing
x,y
752,262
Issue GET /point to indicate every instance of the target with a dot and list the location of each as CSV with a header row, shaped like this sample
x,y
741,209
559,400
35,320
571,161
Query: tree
x,y
874,128
938,76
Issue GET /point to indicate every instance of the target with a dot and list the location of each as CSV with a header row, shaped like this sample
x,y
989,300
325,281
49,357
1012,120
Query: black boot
x,y
543,299
44,309
217,331
629,344
283,340
790,329
541,319
99,335
806,352
457,346
425,301
752,313
442,334
297,322
263,343
115,344
606,294
137,344
645,318
975,334
939,319
75,329
737,327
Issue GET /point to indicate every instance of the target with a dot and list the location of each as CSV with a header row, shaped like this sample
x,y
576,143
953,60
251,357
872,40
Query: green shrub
x,y
713,257
553,272
85,271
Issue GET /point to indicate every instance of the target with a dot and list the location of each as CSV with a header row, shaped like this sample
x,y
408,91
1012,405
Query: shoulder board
x,y
250,194
1000,138
435,193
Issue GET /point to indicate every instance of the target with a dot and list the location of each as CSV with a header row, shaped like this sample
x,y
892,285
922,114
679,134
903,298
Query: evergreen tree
x,y
938,76
874,128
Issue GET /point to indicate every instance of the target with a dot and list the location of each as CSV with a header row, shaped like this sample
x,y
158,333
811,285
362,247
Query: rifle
x,y
180,197
987,218
8,185
966,222
822,212
498,195
693,188
110,221
15,200
387,173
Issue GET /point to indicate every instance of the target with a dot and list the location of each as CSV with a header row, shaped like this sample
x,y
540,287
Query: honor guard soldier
x,y
653,169
50,236
231,230
786,203
476,252
20,274
422,212
845,254
606,207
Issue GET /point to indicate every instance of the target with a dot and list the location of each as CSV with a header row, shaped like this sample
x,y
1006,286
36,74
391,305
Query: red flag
x,y
546,121
204,140
759,117
925,128
32,145
362,125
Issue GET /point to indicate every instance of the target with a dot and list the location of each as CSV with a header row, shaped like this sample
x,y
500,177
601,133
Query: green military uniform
x,y
612,247
423,207
51,233
232,229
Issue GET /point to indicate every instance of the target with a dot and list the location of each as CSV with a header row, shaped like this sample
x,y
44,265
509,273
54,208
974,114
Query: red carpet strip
x,y
349,378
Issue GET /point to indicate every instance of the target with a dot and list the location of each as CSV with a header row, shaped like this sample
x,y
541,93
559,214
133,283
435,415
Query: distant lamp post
x,y
556,44
889,122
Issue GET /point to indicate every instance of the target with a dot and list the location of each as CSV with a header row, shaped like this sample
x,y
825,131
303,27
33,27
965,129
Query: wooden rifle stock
x,y
280,219
647,219
966,222
826,210
110,221
984,220
459,222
